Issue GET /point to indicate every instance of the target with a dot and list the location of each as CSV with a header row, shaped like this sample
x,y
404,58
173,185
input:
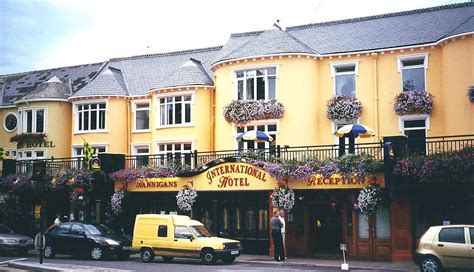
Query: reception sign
x,y
237,176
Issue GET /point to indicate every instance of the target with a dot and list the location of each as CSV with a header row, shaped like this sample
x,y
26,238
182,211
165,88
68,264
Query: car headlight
x,y
8,241
111,242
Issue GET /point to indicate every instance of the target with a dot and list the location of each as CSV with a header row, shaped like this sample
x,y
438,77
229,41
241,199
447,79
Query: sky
x,y
43,34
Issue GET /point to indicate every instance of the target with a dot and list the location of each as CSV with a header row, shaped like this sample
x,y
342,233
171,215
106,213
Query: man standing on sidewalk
x,y
281,216
276,225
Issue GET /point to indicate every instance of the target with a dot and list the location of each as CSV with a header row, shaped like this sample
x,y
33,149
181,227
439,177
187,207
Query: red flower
x,y
281,183
373,180
79,190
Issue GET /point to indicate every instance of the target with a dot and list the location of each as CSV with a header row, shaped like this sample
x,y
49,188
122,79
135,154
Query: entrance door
x,y
373,235
324,229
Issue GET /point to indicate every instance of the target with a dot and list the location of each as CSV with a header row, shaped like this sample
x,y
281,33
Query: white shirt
x,y
57,221
283,222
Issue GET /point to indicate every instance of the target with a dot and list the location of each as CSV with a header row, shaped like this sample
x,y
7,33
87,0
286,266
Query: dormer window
x,y
256,84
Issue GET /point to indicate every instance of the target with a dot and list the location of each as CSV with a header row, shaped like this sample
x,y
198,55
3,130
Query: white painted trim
x,y
334,65
233,76
40,100
8,107
91,97
180,88
34,110
133,147
17,121
413,117
157,98
156,144
106,145
134,110
32,150
89,102
402,58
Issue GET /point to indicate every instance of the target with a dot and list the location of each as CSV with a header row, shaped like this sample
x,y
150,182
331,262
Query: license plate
x,y
127,248
233,252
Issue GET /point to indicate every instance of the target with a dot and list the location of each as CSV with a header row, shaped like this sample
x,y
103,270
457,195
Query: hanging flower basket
x,y
342,107
243,111
413,102
370,199
186,197
117,202
283,197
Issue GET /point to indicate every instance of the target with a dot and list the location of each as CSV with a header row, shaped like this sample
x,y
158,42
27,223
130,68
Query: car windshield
x,y
200,231
5,229
98,230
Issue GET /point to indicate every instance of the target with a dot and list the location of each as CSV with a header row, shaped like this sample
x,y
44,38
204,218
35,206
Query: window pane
x,y
187,146
142,119
250,85
93,106
471,233
414,79
260,88
29,121
342,69
187,113
102,106
363,226
39,154
178,118
102,119
240,90
93,119
414,124
413,62
40,121
271,87
86,120
416,141
452,235
345,85
187,98
79,121
169,114
240,74
382,224
271,71
142,106
162,231
162,115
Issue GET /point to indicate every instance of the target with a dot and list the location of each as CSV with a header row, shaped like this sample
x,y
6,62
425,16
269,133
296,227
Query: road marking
x,y
14,260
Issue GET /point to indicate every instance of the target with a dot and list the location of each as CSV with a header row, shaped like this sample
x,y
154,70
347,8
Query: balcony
x,y
428,146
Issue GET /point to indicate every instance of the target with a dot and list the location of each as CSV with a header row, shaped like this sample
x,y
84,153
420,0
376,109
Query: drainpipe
x,y
376,91
213,116
129,132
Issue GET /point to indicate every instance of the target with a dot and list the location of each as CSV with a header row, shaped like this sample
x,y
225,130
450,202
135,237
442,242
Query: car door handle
x,y
176,240
440,245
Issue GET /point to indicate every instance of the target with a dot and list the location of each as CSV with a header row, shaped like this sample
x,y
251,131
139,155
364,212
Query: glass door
x,y
373,235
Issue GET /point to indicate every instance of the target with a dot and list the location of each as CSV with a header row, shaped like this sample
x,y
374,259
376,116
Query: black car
x,y
82,239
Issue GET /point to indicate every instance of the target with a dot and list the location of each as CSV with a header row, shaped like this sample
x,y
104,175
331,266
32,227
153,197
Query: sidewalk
x,y
312,262
54,267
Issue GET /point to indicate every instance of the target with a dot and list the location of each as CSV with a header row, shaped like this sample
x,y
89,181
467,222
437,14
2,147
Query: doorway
x,y
324,229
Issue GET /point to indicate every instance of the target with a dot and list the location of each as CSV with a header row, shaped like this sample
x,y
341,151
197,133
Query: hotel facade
x,y
152,108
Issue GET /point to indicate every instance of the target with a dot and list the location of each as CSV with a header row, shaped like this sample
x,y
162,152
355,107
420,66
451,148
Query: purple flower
x,y
342,107
413,102
243,111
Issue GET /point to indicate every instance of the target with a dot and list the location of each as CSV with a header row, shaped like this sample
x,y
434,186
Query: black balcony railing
x,y
428,146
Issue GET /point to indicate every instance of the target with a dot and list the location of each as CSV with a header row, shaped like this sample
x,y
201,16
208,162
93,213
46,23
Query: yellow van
x,y
172,236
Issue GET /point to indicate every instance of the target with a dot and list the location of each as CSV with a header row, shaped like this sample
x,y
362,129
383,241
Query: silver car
x,y
11,242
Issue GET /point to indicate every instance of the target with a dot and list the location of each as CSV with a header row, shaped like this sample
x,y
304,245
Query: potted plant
x,y
413,102
342,107
186,197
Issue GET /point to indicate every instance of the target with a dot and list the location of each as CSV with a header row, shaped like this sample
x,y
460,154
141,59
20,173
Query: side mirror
x,y
190,237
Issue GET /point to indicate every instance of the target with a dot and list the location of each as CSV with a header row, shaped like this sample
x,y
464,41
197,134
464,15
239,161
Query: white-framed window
x,y
31,154
337,125
344,74
90,117
256,83
415,127
175,110
10,123
270,127
413,72
78,150
10,153
32,120
179,152
141,110
141,153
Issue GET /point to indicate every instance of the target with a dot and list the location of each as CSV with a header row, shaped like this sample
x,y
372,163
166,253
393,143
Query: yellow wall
x,y
4,135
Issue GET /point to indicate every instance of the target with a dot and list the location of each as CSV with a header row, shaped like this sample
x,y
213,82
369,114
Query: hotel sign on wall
x,y
239,177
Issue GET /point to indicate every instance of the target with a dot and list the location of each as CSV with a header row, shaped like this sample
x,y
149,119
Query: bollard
x,y
344,266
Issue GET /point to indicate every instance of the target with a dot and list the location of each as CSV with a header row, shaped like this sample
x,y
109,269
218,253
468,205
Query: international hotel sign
x,y
241,177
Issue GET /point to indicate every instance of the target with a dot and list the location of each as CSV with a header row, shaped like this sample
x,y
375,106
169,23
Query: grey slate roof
x,y
360,34
109,81
53,88
16,86
192,72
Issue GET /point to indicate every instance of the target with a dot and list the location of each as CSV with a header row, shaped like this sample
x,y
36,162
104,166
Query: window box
x,y
24,138
342,107
413,102
241,112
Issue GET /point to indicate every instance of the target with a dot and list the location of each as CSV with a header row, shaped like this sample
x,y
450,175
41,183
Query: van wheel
x,y
208,256
167,259
430,264
147,255
228,259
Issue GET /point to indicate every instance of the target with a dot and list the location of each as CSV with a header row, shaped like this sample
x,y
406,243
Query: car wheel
x,y
23,252
147,255
228,260
430,264
97,253
48,251
208,256
167,259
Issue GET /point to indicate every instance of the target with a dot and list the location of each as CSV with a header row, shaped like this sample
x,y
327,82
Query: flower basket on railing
x,y
23,138
283,197
413,102
342,107
186,197
244,111
370,199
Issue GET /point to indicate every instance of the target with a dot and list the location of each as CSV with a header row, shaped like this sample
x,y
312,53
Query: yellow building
x,y
180,102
